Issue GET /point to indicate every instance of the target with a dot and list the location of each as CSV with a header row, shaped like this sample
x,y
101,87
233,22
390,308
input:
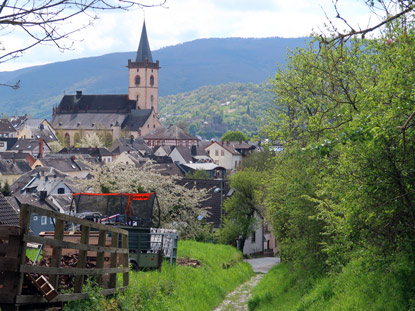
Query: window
x,y
34,218
1,144
216,152
236,163
61,190
151,80
152,99
222,153
253,237
137,80
51,221
44,220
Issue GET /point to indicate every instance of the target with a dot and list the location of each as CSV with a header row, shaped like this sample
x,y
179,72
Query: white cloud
x,y
186,20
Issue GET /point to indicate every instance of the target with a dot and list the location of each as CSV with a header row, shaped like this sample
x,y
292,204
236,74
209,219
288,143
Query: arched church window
x,y
151,80
67,140
137,80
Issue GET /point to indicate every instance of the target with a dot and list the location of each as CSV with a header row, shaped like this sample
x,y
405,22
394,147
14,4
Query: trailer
x,y
133,212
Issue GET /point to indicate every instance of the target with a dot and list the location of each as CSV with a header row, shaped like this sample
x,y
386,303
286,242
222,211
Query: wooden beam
x,y
100,254
79,279
70,271
125,261
113,277
57,252
72,245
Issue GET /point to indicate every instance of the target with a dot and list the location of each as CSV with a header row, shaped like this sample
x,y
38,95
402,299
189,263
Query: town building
x,y
130,115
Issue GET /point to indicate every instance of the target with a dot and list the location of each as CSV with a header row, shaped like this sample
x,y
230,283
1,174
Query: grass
x,y
358,287
179,287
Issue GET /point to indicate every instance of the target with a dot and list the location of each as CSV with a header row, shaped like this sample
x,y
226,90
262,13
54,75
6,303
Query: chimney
x,y
43,195
193,150
40,148
78,94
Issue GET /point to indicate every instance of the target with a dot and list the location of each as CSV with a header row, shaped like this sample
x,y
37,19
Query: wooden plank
x,y
7,297
24,224
27,299
68,218
125,261
9,264
6,230
70,271
56,252
71,245
79,279
100,254
113,277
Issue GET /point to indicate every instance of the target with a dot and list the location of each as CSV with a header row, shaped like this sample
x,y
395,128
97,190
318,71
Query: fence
x,y
13,266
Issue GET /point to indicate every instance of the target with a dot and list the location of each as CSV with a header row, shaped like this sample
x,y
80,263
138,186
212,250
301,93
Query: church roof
x,y
144,51
87,121
95,103
136,119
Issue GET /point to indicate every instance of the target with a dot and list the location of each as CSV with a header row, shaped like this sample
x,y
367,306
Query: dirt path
x,y
238,299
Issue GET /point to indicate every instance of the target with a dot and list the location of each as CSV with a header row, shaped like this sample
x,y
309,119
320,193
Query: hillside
x,y
212,110
185,67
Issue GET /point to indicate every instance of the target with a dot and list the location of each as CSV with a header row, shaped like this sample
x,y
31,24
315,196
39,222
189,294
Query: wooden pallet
x,y
43,286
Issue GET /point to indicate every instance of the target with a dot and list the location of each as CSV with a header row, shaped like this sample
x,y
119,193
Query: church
x,y
131,115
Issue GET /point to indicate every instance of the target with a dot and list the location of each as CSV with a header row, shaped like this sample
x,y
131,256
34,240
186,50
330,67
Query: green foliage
x,y
180,287
5,189
346,179
198,174
211,111
240,210
360,286
234,136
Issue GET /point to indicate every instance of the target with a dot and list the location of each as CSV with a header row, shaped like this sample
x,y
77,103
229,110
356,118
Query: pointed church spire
x,y
144,51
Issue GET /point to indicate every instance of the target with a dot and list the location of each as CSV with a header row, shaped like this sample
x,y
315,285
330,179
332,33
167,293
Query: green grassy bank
x,y
358,287
179,287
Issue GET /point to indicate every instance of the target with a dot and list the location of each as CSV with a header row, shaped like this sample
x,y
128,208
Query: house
x,y
8,214
130,145
129,115
6,129
162,151
213,170
217,192
193,154
224,154
101,154
37,148
18,156
11,170
47,179
34,128
171,135
7,143
128,157
75,167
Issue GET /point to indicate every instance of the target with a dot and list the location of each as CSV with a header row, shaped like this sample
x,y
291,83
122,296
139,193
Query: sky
x,y
180,21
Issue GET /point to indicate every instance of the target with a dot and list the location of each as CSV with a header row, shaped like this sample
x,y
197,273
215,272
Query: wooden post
x,y
113,276
57,252
79,279
100,255
125,262
24,223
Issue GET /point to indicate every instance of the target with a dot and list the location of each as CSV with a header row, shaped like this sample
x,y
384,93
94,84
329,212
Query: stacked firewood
x,y
66,282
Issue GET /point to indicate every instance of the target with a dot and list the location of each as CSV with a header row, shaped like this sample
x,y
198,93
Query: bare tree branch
x,y
49,21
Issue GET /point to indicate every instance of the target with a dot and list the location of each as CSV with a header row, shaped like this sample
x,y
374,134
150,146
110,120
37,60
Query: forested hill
x,y
212,110
184,67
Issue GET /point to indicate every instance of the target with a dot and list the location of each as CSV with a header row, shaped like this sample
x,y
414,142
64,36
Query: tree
x,y
5,190
55,146
51,21
241,209
179,206
234,136
198,174
345,113
91,140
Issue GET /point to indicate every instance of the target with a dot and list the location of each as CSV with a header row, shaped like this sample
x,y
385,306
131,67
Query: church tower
x,y
143,76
